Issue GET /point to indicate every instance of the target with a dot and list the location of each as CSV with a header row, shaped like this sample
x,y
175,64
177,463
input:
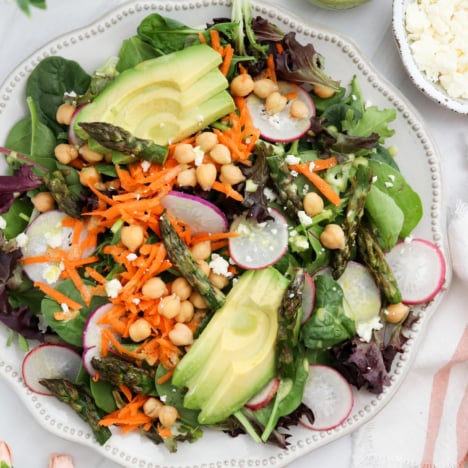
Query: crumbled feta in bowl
x,y
433,42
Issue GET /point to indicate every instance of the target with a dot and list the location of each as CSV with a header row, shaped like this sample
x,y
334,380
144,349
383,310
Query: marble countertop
x,y
369,26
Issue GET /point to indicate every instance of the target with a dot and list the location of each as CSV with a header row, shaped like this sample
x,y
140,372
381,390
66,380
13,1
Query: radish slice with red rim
x,y
282,126
49,361
44,232
92,338
258,245
201,215
264,396
73,138
419,267
330,397
308,297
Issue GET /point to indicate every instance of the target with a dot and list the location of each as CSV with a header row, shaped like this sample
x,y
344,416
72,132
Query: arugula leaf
x,y
328,325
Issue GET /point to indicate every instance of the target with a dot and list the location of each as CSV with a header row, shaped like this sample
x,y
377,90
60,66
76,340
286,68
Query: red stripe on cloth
x,y
438,394
462,430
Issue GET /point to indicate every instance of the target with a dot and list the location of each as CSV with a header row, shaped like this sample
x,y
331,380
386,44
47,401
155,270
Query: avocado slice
x,y
164,99
234,357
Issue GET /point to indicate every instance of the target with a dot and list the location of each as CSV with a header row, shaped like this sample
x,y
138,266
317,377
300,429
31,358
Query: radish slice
x,y
362,299
258,245
281,127
92,339
266,394
199,214
330,397
49,361
73,138
45,232
308,297
419,268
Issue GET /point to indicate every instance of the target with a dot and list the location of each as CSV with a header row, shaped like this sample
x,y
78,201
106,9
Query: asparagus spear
x,y
289,316
66,200
120,372
181,257
116,138
354,211
77,397
285,185
374,258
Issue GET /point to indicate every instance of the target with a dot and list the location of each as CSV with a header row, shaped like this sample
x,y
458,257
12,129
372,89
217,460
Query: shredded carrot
x,y
164,378
227,190
64,316
57,296
227,59
164,432
270,71
321,185
213,237
279,48
215,40
318,164
290,96
201,37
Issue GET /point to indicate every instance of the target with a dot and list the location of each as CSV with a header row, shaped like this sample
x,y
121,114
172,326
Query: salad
x,y
231,269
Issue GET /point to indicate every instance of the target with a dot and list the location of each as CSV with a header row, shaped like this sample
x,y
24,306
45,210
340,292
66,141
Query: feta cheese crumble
x,y
113,288
364,330
438,39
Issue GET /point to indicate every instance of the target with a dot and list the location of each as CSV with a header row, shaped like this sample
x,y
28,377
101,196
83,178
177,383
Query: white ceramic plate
x,y
419,162
419,78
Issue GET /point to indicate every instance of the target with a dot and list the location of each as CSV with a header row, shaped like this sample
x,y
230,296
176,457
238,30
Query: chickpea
x,y
275,103
187,178
184,153
132,236
333,237
152,407
313,204
206,175
242,85
231,174
169,306
395,313
89,155
206,141
299,109
65,153
65,113
43,201
323,92
264,87
168,415
220,154
201,250
89,176
139,330
186,312
204,266
154,288
197,300
181,335
181,287
218,281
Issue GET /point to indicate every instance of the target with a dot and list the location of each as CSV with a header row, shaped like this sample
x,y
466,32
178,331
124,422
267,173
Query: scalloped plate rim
x,y
57,419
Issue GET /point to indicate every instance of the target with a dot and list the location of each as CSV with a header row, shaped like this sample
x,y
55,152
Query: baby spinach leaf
x,y
385,215
47,84
102,394
328,325
70,330
391,182
133,51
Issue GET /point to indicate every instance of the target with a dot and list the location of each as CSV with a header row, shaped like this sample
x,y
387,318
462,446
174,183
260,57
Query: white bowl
x,y
433,90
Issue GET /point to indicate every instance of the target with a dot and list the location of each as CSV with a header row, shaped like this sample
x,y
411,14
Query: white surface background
x,y
369,26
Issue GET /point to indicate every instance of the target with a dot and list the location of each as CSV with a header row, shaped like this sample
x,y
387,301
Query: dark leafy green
x,y
48,83
328,325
